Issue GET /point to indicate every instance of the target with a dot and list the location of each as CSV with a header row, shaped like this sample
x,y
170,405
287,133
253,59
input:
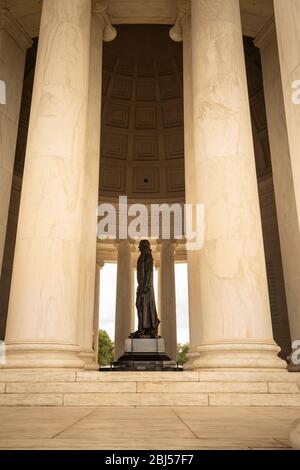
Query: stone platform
x,y
188,388
144,354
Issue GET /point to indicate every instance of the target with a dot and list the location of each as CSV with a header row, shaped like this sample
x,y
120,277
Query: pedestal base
x,y
145,354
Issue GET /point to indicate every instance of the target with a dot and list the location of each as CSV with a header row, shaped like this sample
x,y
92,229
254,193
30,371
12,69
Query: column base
x,y
41,355
239,355
192,355
89,360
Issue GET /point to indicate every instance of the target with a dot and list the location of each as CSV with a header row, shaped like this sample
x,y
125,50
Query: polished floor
x,y
146,428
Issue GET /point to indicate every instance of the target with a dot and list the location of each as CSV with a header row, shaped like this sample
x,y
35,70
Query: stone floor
x,y
150,428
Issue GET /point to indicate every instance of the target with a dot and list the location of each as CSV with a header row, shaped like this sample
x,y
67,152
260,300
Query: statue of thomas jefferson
x,y
145,301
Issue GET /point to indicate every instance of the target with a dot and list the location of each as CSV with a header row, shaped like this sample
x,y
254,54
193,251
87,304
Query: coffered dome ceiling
x,y
142,142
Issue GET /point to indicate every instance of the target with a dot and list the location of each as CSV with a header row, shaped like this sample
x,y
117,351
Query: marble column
x,y
287,18
158,293
235,320
91,191
167,291
133,309
124,297
99,266
42,329
191,192
14,42
285,194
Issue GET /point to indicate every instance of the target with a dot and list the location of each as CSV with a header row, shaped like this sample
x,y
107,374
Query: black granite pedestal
x,y
145,354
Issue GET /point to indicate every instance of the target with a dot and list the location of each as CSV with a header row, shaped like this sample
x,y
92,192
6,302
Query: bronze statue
x,y
145,301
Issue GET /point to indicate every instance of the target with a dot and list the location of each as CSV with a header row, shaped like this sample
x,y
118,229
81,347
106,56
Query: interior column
x,y
133,308
43,311
285,195
99,267
191,192
14,42
168,298
235,321
124,297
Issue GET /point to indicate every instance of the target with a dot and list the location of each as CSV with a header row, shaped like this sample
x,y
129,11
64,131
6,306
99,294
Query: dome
x,y
142,142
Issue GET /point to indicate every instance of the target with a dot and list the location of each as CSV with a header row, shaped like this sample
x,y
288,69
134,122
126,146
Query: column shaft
x,y
235,320
285,144
90,198
124,298
282,174
133,308
287,17
99,266
43,311
14,42
191,191
168,299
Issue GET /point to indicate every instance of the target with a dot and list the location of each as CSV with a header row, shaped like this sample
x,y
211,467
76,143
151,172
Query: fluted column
x,y
99,267
124,297
158,293
285,195
43,310
14,42
191,192
133,296
91,193
168,298
287,18
235,320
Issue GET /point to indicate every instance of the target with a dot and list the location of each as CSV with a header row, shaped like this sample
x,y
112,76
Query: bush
x,y
105,350
182,350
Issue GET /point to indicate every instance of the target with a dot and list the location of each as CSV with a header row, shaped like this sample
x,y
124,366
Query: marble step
x,y
36,375
190,376
148,387
199,388
150,399
62,375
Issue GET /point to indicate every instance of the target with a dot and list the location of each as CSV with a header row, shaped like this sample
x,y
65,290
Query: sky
x,y
108,300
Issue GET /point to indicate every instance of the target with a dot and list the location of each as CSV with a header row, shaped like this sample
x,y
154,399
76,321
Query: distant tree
x,y
182,350
106,349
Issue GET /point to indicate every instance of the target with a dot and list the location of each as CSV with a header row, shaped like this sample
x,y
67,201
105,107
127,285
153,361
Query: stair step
x,y
150,399
204,388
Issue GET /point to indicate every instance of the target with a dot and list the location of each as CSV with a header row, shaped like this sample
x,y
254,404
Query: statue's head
x,y
144,245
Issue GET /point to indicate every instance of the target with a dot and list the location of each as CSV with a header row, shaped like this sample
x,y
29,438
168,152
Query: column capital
x,y
131,241
9,23
99,8
100,264
266,34
183,10
161,244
